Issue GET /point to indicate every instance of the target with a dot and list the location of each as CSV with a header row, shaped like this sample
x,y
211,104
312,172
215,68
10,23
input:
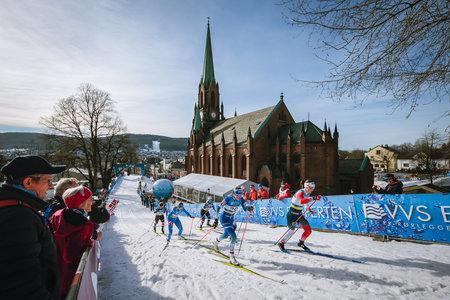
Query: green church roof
x,y
352,166
208,64
197,121
313,133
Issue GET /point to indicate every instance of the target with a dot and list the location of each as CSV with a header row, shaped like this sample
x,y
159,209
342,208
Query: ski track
x,y
131,267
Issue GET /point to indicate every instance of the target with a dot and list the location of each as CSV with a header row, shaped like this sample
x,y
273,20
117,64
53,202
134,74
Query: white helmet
x,y
310,184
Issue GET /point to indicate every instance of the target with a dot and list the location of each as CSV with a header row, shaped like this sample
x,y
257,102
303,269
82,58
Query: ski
x,y
214,251
245,269
326,255
165,247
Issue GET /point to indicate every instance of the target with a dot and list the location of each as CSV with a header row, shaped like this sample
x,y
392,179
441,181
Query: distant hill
x,y
10,140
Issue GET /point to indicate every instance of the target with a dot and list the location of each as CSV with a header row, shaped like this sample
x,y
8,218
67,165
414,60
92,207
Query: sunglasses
x,y
49,180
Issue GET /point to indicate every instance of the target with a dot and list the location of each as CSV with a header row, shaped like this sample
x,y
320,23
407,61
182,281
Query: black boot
x,y
154,228
162,229
302,245
281,245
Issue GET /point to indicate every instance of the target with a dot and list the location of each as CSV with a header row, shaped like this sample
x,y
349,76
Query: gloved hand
x,y
250,208
311,211
317,198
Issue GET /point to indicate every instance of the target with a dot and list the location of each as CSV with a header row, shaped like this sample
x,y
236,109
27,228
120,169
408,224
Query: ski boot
x,y
154,228
233,260
208,223
281,246
216,222
216,244
162,230
302,245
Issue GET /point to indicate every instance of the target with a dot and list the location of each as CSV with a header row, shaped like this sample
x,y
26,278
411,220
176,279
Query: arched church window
x,y
244,166
207,167
213,99
230,166
218,166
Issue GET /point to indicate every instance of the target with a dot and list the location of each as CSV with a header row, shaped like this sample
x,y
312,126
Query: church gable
x,y
253,120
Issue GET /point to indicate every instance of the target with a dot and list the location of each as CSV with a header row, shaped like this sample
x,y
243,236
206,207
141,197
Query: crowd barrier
x,y
84,283
424,217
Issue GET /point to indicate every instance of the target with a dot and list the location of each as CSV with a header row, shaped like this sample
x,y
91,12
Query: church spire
x,y
208,65
197,124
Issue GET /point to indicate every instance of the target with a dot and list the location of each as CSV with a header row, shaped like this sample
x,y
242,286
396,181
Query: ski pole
x,y
190,229
239,230
209,231
302,214
196,225
243,235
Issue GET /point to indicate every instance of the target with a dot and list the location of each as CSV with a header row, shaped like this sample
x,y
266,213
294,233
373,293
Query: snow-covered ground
x,y
131,267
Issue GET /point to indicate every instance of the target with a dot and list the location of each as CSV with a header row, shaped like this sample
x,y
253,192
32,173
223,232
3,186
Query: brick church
x,y
265,146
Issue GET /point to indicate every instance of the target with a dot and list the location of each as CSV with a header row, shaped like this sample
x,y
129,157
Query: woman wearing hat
x,y
73,232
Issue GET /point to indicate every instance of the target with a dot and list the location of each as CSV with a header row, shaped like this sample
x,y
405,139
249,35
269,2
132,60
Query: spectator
x,y
73,232
253,194
394,186
57,202
284,191
263,193
245,194
28,263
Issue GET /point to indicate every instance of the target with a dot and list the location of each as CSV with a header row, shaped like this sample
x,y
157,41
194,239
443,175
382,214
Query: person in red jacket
x,y
253,194
73,232
296,214
284,191
263,193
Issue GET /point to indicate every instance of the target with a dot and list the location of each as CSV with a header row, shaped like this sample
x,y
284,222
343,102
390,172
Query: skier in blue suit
x,y
230,206
173,219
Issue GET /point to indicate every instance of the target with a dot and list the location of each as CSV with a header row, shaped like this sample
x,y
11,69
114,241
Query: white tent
x,y
194,187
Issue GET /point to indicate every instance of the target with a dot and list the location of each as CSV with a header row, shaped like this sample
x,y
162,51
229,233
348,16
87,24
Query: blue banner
x,y
413,216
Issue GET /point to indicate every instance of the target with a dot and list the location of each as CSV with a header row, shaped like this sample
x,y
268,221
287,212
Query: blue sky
x,y
149,56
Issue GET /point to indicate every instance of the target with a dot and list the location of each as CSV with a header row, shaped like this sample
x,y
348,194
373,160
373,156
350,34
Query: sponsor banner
x,y
88,285
414,216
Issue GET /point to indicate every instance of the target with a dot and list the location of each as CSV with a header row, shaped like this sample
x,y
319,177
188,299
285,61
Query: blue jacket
x,y
176,211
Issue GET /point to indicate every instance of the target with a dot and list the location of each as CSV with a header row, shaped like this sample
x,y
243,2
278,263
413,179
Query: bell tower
x,y
208,89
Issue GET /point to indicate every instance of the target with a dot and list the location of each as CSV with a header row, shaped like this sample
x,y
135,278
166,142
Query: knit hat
x,y
74,197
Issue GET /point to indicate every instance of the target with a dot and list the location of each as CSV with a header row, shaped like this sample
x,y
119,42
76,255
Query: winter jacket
x,y
284,193
263,194
28,263
392,188
55,204
72,232
253,194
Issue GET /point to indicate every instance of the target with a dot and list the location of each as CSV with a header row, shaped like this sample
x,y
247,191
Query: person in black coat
x,y
56,203
28,261
394,186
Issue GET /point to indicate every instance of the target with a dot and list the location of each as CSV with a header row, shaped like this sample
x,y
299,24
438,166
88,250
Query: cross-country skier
x,y
230,205
296,214
205,211
160,210
173,219
216,220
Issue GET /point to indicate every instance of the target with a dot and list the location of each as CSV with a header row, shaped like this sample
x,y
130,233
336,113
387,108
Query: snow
x,y
131,267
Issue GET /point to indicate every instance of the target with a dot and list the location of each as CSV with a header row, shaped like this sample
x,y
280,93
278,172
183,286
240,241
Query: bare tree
x,y
380,47
88,134
428,151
